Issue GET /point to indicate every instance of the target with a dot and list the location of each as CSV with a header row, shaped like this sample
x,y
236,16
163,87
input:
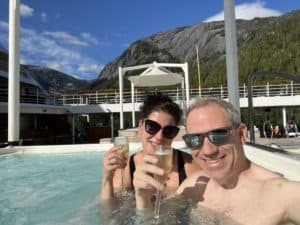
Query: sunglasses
x,y
153,127
217,137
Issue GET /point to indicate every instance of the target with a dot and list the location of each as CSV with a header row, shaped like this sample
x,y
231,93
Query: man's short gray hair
x,y
199,102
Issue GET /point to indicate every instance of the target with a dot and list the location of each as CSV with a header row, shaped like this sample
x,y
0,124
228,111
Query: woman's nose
x,y
159,135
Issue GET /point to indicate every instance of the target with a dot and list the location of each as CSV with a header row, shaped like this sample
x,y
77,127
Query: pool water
x,y
50,188
63,189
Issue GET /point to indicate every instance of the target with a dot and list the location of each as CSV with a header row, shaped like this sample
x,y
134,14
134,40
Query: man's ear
x,y
243,132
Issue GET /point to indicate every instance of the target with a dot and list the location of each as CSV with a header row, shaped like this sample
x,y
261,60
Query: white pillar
x,y
231,54
121,97
187,85
14,73
284,116
133,104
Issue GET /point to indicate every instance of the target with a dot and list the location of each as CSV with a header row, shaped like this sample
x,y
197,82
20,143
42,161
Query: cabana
x,y
155,75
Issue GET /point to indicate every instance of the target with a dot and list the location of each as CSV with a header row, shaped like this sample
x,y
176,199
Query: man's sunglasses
x,y
153,127
217,137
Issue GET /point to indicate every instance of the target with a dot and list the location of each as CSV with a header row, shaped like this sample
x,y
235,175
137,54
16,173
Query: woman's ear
x,y
243,132
141,122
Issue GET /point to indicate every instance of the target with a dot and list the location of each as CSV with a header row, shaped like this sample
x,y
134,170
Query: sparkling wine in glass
x,y
164,155
124,152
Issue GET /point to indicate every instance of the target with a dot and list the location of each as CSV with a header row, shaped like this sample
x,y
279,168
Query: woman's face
x,y
151,141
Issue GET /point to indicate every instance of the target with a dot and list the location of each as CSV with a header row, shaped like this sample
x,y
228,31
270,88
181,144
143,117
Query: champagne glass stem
x,y
123,191
157,204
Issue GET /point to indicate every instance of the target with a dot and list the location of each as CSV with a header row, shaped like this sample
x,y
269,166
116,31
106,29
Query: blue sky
x,y
80,37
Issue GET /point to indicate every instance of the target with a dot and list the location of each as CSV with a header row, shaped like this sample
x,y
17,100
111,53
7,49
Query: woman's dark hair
x,y
160,103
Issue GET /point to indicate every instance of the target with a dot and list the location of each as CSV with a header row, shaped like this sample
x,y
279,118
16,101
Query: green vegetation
x,y
273,46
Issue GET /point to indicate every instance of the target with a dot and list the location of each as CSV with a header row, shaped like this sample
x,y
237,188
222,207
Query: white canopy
x,y
156,76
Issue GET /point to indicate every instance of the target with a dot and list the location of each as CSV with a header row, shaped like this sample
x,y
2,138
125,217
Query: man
x,y
228,183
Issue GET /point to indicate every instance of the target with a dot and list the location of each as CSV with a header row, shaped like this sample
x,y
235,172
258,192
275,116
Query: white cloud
x,y
126,45
247,11
26,11
51,51
53,65
66,38
89,68
3,25
44,50
44,17
88,37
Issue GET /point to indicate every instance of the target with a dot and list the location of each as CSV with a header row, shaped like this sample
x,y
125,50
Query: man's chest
x,y
244,208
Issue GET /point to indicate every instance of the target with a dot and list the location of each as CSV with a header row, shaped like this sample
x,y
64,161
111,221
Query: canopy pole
x,y
187,85
121,97
133,104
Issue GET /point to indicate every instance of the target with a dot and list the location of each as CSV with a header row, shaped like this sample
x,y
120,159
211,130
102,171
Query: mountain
x,y
264,44
2,49
49,79
53,80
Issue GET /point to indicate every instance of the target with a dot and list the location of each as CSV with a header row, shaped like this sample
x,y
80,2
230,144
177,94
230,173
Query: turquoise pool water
x,y
50,189
63,189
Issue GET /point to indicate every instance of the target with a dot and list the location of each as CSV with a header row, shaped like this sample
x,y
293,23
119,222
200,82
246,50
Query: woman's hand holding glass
x,y
112,161
148,178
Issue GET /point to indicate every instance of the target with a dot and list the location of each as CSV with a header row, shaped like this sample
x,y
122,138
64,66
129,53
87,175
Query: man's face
x,y
218,161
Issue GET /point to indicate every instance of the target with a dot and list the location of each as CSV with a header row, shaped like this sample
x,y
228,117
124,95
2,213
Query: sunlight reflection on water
x,y
174,211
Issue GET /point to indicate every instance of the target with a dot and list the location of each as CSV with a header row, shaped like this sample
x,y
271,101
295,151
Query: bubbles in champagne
x,y
164,162
124,151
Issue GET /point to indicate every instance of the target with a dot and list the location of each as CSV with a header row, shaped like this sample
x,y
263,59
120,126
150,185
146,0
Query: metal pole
x,y
198,66
121,97
284,117
14,73
187,85
231,54
111,124
133,104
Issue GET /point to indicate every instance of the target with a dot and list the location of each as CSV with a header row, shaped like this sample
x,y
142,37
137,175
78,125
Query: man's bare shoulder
x,y
263,174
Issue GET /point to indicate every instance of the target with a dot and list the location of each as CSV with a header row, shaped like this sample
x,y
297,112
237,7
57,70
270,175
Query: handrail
x,y
111,96
251,93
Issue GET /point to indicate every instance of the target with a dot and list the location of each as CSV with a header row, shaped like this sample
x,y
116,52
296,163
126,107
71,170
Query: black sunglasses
x,y
217,137
153,127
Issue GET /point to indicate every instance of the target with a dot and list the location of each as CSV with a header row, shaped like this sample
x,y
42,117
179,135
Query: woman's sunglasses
x,y
153,127
216,137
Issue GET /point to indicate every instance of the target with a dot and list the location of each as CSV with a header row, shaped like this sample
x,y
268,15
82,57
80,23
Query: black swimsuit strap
x,y
181,169
131,167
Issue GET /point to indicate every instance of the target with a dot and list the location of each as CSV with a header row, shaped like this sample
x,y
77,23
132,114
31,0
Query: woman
x,y
158,126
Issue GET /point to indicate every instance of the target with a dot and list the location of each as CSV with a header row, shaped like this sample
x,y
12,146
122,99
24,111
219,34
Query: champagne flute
x,y
164,154
124,152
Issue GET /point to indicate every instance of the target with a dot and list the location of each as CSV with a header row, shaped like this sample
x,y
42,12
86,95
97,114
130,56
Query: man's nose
x,y
208,148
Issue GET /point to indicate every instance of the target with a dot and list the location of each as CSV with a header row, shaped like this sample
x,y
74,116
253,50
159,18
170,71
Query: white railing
x,y
111,96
